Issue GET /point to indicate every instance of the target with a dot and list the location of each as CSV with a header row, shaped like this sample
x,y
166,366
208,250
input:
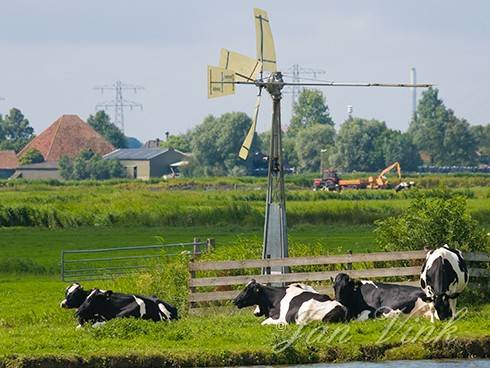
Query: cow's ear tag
x,y
256,290
108,293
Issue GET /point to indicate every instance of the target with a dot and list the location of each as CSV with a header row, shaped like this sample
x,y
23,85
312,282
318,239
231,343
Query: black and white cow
x,y
444,276
367,299
75,295
103,305
291,304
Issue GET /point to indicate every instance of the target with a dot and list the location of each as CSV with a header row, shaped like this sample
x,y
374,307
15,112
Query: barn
x,y
146,163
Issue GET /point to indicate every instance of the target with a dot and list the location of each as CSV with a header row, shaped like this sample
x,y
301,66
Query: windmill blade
x,y
245,68
247,143
221,82
266,52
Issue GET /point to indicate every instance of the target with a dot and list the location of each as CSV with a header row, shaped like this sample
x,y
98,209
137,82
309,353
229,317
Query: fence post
x,y
62,265
349,265
196,250
210,243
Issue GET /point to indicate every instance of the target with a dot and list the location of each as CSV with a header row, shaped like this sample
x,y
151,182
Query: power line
x,y
297,73
119,103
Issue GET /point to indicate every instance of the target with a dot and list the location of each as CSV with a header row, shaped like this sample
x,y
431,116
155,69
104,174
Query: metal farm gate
x,y
106,263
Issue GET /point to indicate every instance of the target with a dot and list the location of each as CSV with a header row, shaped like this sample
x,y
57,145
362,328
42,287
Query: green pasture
x,y
37,250
39,219
33,326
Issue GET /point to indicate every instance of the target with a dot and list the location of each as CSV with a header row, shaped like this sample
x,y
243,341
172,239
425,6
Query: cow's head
x,y
74,296
441,303
345,288
249,296
96,304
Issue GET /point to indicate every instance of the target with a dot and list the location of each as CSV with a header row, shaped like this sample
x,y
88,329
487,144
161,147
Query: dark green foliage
x,y
101,122
359,145
88,165
181,142
308,145
432,222
32,156
216,143
438,132
481,133
15,131
310,109
398,146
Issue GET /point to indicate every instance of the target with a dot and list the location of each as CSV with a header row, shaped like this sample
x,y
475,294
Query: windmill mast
x,y
275,227
236,69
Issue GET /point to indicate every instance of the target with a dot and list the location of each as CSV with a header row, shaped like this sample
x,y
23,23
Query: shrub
x,y
32,156
432,222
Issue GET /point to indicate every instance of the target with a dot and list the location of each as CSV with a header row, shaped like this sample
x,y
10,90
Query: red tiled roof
x,y
68,136
8,160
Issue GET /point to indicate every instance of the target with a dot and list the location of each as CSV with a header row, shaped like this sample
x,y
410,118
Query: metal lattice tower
x,y
297,73
119,103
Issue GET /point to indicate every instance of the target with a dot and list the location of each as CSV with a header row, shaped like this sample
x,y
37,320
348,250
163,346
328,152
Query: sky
x,y
54,52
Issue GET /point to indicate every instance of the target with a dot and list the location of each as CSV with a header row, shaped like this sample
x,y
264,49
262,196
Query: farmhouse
x,y
8,163
145,163
67,136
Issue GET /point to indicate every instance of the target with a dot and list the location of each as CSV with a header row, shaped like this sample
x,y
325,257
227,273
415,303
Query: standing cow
x,y
444,276
291,304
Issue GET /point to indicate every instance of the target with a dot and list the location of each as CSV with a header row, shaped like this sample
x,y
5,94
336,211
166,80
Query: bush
x,y
32,156
89,165
432,222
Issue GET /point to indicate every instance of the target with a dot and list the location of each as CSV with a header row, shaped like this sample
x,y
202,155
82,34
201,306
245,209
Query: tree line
x,y
436,136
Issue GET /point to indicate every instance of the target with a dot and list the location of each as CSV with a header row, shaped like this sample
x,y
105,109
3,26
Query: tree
x,y
310,141
398,146
359,145
217,141
89,165
15,131
439,133
31,156
181,142
481,133
101,122
310,109
459,143
428,125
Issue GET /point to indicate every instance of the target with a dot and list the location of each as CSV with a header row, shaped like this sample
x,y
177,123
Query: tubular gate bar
x,y
105,263
211,281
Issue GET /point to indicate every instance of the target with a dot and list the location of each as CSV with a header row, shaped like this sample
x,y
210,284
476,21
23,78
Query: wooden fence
x,y
207,276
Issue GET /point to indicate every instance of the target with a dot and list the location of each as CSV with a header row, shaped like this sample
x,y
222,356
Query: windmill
x,y
237,69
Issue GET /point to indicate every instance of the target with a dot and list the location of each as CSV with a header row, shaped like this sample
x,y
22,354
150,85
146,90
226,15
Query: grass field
x,y
48,331
34,331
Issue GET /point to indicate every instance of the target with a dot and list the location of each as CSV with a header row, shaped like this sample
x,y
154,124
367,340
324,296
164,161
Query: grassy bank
x,y
46,336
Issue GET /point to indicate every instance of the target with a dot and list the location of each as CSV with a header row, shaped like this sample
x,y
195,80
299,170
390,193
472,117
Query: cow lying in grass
x,y
367,299
98,306
292,304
